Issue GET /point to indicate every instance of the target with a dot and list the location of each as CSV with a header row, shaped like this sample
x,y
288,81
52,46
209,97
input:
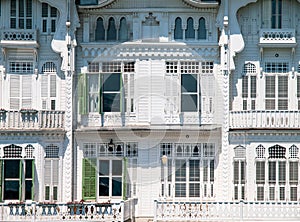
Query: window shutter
x,y
89,179
171,81
266,9
55,168
53,86
14,91
44,86
82,94
47,173
26,91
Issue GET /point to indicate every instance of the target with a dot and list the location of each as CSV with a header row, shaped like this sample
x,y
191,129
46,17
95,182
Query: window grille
x,y
29,149
89,150
277,152
207,67
208,149
12,151
49,67
21,67
249,68
276,67
190,67
93,67
260,151
240,152
111,67
51,151
129,67
166,149
131,149
106,149
293,151
171,67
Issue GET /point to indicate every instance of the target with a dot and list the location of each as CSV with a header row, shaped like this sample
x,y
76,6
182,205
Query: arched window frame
x,y
249,85
111,29
100,29
202,30
178,30
239,172
123,29
190,29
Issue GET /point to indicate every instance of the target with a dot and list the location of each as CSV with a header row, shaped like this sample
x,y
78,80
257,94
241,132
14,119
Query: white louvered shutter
x,y
47,173
171,93
14,92
26,91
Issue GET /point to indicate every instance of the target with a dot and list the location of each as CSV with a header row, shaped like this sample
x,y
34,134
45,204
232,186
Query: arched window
x,y
249,68
239,172
123,33
100,32
111,31
277,152
29,149
293,151
190,31
202,29
178,29
260,151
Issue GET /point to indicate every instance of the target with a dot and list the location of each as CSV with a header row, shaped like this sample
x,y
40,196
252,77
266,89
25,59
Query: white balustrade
x,y
120,211
225,211
264,119
31,119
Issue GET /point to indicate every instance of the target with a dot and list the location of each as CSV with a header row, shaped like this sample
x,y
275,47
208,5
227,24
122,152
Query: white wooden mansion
x,y
139,110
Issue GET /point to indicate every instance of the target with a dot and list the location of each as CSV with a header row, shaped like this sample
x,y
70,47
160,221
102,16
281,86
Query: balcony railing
x,y
264,119
277,37
13,36
31,119
80,211
226,211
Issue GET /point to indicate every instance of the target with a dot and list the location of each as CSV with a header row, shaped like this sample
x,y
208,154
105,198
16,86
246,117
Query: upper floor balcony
x,y
19,38
30,119
277,38
265,119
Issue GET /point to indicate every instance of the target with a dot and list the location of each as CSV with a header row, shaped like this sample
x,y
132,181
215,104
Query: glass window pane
x,y
180,190
111,82
104,167
11,190
111,102
11,169
189,83
272,172
194,170
178,32
194,190
47,192
189,103
54,193
28,170
117,186
116,167
103,186
28,189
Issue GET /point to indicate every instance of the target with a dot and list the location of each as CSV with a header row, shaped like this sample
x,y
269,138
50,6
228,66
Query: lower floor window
x,y
18,179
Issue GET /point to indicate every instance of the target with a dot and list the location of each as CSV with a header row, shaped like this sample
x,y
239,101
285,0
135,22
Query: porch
x,y
226,211
78,211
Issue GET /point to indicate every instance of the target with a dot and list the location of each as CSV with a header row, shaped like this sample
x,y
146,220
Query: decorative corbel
x,y
3,71
36,72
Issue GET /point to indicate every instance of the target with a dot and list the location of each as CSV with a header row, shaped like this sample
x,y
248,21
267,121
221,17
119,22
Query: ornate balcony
x,y
261,119
277,38
79,211
19,37
226,211
29,119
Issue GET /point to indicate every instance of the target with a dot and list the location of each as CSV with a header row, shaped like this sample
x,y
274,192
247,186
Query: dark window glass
x,y
12,168
103,186
117,186
104,167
